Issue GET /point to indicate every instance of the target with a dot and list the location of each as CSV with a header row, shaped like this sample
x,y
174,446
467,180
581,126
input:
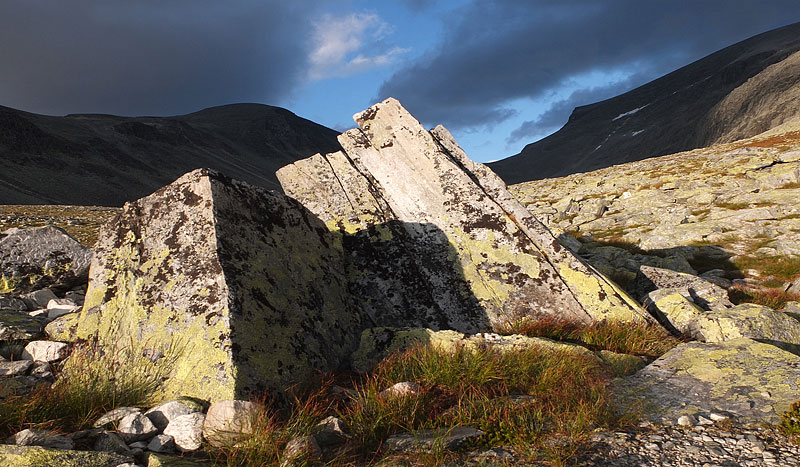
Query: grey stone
x,y
14,368
425,440
330,432
402,389
111,418
187,431
38,299
39,257
136,427
44,438
419,202
300,451
161,443
110,442
45,457
723,377
161,414
12,304
705,294
18,326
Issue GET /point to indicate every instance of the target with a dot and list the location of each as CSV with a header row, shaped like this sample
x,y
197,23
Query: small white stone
x,y
686,420
718,417
704,421
44,351
405,388
187,431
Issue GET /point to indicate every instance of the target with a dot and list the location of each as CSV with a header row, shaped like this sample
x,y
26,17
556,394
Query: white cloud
x,y
345,45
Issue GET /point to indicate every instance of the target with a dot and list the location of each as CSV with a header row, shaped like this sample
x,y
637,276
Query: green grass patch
x,y
790,422
732,206
782,268
91,382
521,398
775,298
645,339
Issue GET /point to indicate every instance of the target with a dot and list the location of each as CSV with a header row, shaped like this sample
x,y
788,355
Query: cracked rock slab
x,y
753,381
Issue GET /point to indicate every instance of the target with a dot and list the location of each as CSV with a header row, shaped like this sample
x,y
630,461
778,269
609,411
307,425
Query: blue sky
x,y
498,73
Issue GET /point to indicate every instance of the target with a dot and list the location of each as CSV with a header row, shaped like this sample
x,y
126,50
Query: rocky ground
x,y
683,234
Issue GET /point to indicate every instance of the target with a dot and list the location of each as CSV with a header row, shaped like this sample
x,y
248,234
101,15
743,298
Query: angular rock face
x,y
741,377
38,257
242,286
433,239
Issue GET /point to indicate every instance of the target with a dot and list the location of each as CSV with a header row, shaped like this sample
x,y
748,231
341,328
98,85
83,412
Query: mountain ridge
x,y
680,111
102,159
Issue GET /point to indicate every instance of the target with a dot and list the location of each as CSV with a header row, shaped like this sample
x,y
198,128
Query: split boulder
x,y
435,240
242,287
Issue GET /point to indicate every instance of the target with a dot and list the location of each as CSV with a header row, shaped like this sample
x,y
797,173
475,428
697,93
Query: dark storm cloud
x,y
497,51
148,56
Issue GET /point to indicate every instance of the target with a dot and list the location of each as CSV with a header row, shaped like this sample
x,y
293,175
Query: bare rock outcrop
x,y
241,286
452,248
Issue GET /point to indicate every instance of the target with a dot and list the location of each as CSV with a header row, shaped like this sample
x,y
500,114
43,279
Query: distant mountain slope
x,y
107,160
737,92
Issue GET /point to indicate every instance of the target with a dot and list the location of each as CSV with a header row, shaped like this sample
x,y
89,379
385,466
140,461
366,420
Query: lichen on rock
x,y
242,286
482,257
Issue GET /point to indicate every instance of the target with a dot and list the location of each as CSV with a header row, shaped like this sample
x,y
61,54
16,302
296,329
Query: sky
x,y
497,73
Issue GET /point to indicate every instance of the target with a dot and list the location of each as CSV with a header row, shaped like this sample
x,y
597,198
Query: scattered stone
x,y
19,385
111,418
330,431
38,299
426,440
38,257
162,443
402,389
63,328
703,293
12,304
185,256
44,438
45,351
17,326
136,427
300,451
60,307
42,370
687,420
110,442
162,414
187,431
14,368
227,420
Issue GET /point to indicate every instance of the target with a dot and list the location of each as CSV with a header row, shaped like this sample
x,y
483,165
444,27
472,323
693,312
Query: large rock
x,y
39,257
243,287
15,325
704,293
435,240
29,456
750,380
748,320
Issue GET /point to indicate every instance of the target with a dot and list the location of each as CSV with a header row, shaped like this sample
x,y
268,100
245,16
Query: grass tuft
x,y
91,382
640,338
775,298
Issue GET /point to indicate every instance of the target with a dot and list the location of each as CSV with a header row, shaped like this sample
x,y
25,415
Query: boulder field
x,y
397,240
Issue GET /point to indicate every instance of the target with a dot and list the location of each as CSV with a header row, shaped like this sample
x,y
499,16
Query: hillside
x,y
735,93
728,211
107,160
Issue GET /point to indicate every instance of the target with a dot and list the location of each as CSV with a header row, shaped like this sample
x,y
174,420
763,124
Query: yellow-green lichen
x,y
601,299
35,456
